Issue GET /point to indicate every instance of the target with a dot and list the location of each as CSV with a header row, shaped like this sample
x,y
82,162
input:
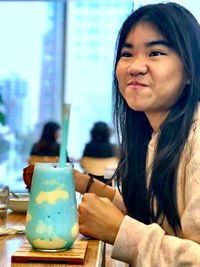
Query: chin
x,y
136,107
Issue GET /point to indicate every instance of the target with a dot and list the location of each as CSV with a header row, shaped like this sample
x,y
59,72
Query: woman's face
x,y
150,74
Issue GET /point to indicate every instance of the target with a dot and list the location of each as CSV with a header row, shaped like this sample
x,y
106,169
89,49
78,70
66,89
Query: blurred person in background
x,y
48,144
100,145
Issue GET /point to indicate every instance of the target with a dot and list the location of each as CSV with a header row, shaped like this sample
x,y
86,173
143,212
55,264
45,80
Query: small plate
x,y
19,204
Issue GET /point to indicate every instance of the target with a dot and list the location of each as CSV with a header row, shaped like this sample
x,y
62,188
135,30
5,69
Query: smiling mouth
x,y
136,85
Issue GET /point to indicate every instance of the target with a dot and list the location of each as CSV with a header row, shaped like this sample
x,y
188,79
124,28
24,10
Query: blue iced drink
x,y
52,221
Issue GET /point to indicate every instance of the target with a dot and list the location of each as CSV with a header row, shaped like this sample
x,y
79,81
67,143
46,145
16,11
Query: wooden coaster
x,y
75,255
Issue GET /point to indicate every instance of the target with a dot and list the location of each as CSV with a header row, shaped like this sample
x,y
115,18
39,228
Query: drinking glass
x,y
52,219
4,198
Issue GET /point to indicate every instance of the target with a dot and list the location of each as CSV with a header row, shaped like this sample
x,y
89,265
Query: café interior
x,y
53,53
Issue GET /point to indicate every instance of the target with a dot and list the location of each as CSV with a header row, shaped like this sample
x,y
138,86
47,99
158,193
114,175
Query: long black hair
x,y
179,27
47,144
49,132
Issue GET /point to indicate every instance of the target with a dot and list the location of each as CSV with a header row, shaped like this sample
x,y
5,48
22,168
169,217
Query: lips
x,y
136,85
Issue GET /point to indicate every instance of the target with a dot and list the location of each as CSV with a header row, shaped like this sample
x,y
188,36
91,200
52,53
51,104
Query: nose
x,y
138,66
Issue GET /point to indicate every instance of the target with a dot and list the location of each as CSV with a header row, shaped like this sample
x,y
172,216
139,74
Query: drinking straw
x,y
65,127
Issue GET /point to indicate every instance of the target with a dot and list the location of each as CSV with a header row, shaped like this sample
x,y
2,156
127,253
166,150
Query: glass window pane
x,y
92,28
31,81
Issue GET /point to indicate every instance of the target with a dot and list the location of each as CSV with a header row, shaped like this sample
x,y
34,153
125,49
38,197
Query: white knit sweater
x,y
152,246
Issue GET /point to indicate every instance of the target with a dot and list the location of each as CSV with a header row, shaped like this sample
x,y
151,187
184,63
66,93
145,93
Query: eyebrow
x,y
158,42
149,44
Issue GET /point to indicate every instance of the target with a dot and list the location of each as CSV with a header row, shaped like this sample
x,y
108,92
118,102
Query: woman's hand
x,y
27,176
80,181
99,218
28,173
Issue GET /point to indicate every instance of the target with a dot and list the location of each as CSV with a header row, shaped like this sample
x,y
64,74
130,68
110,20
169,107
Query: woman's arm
x,y
81,182
150,245
97,187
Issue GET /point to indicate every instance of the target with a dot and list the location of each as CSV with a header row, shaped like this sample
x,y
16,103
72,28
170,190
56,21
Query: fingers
x,y
86,205
86,214
27,175
99,218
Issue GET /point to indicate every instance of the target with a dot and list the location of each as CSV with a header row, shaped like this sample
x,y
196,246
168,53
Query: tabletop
x,y
95,254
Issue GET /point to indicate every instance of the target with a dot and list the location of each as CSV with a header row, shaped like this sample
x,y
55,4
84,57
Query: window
x,y
31,79
32,73
38,40
92,28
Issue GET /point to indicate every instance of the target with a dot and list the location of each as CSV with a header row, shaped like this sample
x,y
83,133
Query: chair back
x,y
34,159
98,166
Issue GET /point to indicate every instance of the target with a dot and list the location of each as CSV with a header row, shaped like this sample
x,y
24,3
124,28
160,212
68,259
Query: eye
x,y
156,53
126,54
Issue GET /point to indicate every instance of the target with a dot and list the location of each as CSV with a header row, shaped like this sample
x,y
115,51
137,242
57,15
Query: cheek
x,y
120,75
170,86
172,78
178,81
175,74
117,73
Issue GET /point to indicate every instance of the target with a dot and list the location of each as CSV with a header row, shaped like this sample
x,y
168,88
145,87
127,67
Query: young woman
x,y
156,95
156,219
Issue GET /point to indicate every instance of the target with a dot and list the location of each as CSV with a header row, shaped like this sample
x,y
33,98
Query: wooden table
x,y
10,243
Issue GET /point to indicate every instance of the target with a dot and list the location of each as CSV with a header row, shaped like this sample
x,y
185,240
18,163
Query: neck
x,y
156,119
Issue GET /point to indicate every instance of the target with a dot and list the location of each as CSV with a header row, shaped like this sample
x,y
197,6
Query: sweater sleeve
x,y
190,219
118,202
149,245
